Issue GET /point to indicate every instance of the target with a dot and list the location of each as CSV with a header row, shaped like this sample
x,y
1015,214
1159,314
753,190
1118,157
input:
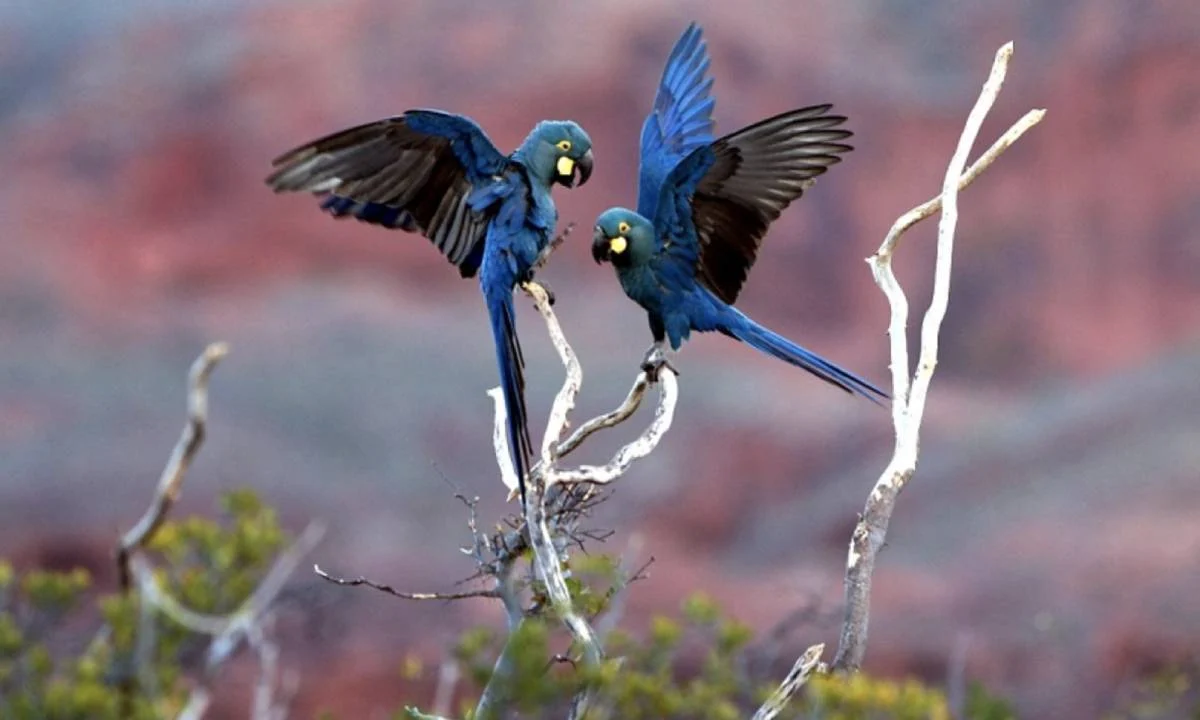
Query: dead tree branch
x,y
360,580
799,674
171,481
553,505
909,397
249,621
557,500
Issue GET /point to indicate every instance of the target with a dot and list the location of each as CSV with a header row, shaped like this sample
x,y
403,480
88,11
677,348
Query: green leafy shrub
x,y
696,664
209,566
691,666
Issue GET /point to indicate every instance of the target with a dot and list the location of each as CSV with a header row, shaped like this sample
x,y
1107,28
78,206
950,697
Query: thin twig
x,y
931,206
253,608
615,417
615,598
448,676
401,594
636,450
263,705
795,679
171,480
908,399
155,596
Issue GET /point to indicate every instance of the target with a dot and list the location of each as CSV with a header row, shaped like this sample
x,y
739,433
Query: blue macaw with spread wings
x,y
704,206
439,175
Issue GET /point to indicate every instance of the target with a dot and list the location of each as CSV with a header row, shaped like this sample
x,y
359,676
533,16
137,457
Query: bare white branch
x,y
613,418
546,474
171,481
247,616
636,450
909,396
796,677
564,401
136,570
508,473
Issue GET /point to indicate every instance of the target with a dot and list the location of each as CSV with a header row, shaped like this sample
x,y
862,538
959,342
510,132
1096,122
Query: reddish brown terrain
x,y
1053,528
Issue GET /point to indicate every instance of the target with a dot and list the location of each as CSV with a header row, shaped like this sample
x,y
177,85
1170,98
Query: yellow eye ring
x,y
623,228
564,145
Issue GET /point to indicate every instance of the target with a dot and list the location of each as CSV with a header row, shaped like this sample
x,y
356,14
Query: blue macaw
x,y
704,206
438,174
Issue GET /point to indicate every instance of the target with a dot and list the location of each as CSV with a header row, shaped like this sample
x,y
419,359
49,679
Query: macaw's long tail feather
x,y
760,338
512,379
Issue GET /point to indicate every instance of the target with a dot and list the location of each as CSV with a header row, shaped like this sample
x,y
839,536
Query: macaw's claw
x,y
654,361
542,284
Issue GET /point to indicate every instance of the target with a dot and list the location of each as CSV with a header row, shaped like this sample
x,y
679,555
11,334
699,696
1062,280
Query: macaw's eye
x,y
623,228
564,145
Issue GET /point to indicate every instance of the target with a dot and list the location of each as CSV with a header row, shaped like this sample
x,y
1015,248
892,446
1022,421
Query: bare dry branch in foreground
x,y
250,621
808,661
908,398
360,580
171,481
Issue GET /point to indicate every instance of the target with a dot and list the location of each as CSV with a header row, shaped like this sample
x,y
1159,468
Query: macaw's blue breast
x,y
666,307
521,228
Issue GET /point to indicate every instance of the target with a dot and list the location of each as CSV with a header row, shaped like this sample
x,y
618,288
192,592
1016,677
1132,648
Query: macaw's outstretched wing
x,y
415,172
735,188
681,119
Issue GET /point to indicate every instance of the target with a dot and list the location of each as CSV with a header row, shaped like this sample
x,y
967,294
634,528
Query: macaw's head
x,y
558,151
623,238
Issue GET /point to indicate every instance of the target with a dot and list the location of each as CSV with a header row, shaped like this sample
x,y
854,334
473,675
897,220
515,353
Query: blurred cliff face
x,y
134,227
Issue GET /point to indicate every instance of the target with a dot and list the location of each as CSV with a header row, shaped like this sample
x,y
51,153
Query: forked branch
x,y
909,395
248,622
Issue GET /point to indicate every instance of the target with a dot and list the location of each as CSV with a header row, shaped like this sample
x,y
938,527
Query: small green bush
x,y
208,566
692,665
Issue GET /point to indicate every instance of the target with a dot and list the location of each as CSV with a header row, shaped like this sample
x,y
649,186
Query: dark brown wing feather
x,y
389,174
758,172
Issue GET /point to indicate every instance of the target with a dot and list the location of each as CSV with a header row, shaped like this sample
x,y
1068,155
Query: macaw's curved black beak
x,y
601,248
584,166
570,170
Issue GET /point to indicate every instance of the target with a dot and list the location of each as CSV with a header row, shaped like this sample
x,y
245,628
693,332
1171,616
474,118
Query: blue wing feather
x,y
678,247
681,119
471,146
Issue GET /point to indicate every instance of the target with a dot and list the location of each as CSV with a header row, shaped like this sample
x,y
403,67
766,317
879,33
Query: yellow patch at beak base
x,y
565,166
618,244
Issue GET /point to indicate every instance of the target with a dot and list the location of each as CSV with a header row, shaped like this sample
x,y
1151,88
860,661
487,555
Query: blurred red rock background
x,y
1052,531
